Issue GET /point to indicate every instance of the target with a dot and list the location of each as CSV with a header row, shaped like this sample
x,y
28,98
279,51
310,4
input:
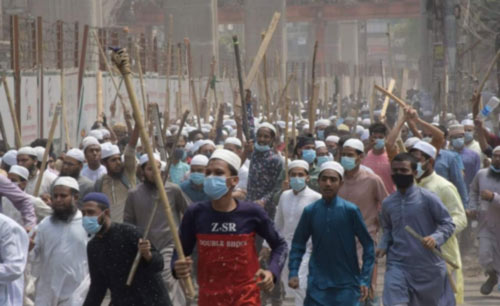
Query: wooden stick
x,y
244,117
108,67
100,106
4,134
121,59
13,114
63,112
191,80
283,92
176,140
287,110
141,79
266,88
398,100
166,111
179,80
313,96
476,97
262,50
47,149
392,83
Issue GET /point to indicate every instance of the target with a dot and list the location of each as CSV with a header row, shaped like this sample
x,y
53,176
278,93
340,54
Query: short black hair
x,y
377,127
42,142
233,171
444,130
402,157
192,134
330,130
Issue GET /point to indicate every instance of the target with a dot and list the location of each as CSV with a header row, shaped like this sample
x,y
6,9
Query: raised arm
x,y
437,135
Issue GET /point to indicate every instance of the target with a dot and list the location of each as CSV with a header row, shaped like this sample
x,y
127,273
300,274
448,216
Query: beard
x,y
64,214
494,175
74,174
116,175
149,184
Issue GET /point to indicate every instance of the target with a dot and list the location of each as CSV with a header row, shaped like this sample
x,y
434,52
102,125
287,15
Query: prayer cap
x,y
227,156
366,121
76,154
497,148
332,165
323,122
343,127
319,144
456,129
410,142
333,138
199,160
20,170
39,153
365,135
267,125
145,158
108,150
98,197
233,140
298,163
67,181
467,122
88,141
10,158
426,148
355,144
105,133
96,133
27,151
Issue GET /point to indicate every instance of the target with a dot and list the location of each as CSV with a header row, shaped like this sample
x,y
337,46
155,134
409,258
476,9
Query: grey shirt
x,y
139,207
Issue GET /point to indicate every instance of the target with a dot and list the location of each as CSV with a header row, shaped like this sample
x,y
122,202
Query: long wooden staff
x,y
312,97
287,110
63,112
47,149
244,117
179,80
398,100
476,97
4,134
266,88
13,115
141,80
121,59
191,81
166,111
392,83
283,92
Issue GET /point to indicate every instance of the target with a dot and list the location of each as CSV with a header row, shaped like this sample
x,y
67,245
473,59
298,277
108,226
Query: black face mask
x,y
402,181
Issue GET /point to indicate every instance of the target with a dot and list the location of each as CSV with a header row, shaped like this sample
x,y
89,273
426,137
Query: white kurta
x,y
288,213
42,210
47,180
59,261
14,245
93,175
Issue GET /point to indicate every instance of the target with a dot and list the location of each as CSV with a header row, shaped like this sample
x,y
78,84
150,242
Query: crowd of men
x,y
257,227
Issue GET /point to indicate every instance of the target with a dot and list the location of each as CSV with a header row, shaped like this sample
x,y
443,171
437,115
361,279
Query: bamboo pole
x,y
166,111
392,83
244,117
63,112
4,133
476,97
191,80
266,89
100,104
47,149
287,110
179,81
13,114
121,59
141,80
398,100
312,97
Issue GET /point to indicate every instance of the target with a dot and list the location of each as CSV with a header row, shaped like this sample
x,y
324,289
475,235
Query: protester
x,y
193,187
223,230
93,169
20,200
139,209
9,159
26,157
427,178
333,224
234,145
72,166
59,248
470,159
306,150
111,253
414,276
14,245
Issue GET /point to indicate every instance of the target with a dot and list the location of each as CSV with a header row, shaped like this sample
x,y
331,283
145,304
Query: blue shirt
x,y
196,195
450,166
333,228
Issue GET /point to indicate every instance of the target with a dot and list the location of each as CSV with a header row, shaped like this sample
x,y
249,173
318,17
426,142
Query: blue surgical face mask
x,y
261,148
91,224
197,178
420,171
323,159
468,136
379,143
215,187
309,155
321,134
184,155
348,163
458,143
427,139
297,183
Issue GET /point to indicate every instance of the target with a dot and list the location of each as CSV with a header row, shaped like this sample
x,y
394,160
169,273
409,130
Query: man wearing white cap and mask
x,y
470,159
120,176
19,176
9,159
470,142
427,178
59,248
333,224
72,166
26,157
193,187
93,169
365,189
234,145
223,230
290,207
485,205
139,206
